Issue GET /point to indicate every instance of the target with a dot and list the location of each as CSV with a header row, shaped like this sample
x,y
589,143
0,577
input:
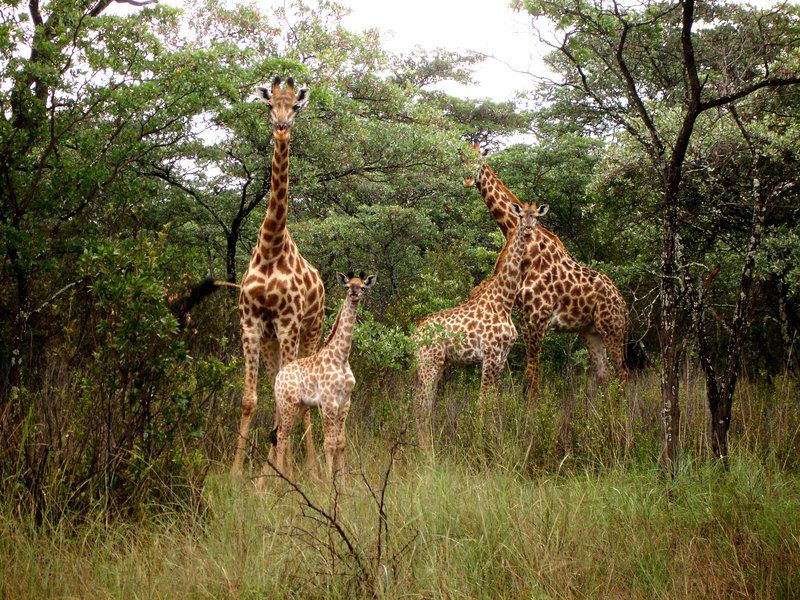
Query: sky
x,y
486,26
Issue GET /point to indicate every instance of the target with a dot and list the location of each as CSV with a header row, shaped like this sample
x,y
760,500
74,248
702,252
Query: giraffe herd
x,y
281,311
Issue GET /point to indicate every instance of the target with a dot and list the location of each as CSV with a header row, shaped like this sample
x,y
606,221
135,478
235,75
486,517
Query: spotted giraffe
x,y
282,297
559,294
323,379
479,330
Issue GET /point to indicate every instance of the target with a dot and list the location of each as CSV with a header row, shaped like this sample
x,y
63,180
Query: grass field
x,y
560,501
454,531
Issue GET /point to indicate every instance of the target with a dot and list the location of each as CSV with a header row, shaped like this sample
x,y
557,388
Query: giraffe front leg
x,y
533,332
329,426
430,365
250,345
289,414
342,436
492,370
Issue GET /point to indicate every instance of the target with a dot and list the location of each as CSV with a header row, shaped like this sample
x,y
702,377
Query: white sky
x,y
486,26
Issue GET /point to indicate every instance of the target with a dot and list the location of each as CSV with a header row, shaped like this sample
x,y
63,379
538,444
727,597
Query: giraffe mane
x,y
500,257
334,328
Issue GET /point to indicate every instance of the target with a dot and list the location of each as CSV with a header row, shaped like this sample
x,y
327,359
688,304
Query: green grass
x,y
460,531
559,499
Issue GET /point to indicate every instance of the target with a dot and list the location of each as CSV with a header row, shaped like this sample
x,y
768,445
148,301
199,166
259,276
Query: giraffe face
x,y
472,160
528,216
356,285
283,105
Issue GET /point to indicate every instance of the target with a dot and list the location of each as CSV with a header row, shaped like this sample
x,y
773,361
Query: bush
x,y
120,416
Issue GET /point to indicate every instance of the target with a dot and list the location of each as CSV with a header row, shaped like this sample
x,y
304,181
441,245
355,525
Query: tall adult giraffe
x,y
282,298
559,294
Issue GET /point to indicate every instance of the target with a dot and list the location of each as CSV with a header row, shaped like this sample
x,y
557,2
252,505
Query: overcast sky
x,y
487,26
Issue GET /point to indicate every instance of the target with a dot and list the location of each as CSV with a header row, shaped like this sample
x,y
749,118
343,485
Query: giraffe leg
x,y
597,355
271,351
331,429
492,369
430,366
613,336
533,332
250,346
339,464
289,416
310,336
289,336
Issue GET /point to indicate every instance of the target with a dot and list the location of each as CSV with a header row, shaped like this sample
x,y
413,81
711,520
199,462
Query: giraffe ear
x,y
370,281
263,94
302,99
343,279
516,208
542,210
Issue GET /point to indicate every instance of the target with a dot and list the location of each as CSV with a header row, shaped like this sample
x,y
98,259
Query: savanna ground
x,y
561,499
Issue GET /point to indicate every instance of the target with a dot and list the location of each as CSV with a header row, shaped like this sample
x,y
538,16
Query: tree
x,y
88,96
643,72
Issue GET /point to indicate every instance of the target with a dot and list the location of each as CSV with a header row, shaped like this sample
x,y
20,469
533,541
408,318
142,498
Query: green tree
x,y
641,71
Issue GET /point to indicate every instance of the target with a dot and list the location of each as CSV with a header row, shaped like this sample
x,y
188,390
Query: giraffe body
x,y
324,380
281,303
479,330
557,293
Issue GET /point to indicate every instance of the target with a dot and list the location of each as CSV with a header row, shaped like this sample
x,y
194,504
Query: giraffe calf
x,y
323,379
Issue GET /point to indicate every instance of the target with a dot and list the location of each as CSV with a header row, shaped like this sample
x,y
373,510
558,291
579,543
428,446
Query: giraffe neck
x,y
498,199
507,271
340,340
273,229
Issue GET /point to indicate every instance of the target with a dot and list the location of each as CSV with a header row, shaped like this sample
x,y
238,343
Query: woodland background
x,y
134,163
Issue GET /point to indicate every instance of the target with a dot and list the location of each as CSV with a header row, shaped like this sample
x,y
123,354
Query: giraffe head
x,y
356,285
528,216
473,159
283,104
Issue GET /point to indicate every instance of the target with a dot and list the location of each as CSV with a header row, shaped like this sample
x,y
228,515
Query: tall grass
x,y
458,530
558,499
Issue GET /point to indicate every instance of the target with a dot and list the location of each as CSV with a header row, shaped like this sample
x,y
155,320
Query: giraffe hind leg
x,y
597,355
533,332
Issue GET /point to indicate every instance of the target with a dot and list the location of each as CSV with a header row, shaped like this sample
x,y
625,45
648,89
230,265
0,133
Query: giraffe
x,y
323,379
281,303
479,330
559,294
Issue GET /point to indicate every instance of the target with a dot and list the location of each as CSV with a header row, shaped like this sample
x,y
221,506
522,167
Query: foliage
x,y
133,162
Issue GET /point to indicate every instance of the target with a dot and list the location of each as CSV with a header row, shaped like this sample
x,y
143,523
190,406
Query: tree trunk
x,y
230,254
670,351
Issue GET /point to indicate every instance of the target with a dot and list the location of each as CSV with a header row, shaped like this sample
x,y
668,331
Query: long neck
x,y
341,339
498,199
273,229
507,271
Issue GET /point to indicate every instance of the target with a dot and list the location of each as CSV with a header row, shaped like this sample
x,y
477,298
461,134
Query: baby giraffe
x,y
323,379
477,330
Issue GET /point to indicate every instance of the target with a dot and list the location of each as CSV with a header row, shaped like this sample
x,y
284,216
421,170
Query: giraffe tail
x,y
273,436
197,294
